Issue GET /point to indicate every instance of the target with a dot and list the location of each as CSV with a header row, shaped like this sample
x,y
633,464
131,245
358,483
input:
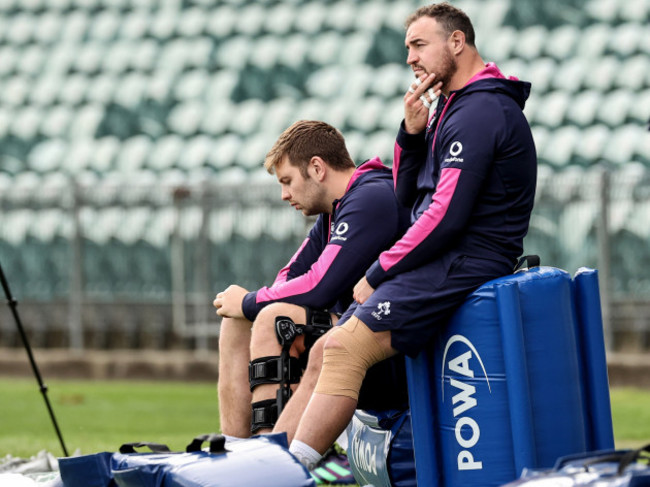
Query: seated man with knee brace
x,y
358,217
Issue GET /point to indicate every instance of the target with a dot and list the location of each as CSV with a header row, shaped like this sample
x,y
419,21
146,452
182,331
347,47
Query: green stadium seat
x,y
603,74
21,28
221,21
553,108
225,152
615,107
622,143
562,41
593,41
47,155
540,73
250,19
531,42
105,153
76,26
74,90
625,39
312,15
26,123
584,107
254,149
634,73
571,73
560,147
185,118
165,153
133,154
279,19
591,144
195,153
500,45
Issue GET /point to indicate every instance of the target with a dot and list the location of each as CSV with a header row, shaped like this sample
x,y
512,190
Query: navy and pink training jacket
x,y
339,247
469,178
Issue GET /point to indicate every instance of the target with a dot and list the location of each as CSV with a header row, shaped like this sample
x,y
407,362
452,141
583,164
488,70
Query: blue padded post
x,y
514,357
594,361
418,374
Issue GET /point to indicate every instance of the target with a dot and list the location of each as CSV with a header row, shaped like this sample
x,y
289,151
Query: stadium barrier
x,y
517,379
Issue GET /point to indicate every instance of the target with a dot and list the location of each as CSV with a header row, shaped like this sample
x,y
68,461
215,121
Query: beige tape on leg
x,y
345,367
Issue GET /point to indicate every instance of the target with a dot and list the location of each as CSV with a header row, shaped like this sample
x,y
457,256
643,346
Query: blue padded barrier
x,y
510,382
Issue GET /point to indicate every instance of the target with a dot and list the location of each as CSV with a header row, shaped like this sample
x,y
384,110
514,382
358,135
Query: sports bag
x,y
380,448
261,460
605,468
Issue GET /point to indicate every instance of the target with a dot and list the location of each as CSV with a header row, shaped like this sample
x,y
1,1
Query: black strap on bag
x,y
217,443
154,447
642,453
624,458
530,260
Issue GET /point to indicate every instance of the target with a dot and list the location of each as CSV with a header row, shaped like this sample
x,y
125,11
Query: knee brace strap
x,y
270,370
265,414
345,367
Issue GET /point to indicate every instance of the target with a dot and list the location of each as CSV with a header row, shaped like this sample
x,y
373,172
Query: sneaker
x,y
333,468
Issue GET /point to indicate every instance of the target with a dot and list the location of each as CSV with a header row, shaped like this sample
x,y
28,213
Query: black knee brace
x,y
284,369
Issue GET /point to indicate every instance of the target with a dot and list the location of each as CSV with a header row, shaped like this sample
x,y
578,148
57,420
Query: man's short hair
x,y
449,17
306,139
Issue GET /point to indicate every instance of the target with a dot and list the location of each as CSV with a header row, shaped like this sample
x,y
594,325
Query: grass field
x,y
100,416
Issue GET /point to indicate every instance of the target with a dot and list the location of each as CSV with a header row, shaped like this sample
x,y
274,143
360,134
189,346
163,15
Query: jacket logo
x,y
454,151
339,232
382,309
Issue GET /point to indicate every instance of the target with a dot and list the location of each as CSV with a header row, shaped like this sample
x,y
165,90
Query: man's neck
x,y
340,182
467,69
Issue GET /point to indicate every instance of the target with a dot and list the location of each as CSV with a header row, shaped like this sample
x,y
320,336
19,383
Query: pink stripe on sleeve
x,y
282,275
302,284
427,222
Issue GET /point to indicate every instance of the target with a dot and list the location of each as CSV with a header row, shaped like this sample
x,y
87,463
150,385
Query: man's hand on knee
x,y
229,302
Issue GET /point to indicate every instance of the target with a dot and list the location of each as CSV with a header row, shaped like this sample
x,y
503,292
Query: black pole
x,y
43,388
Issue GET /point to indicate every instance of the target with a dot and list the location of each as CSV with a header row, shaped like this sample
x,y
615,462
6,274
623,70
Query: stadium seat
x,y
633,74
74,89
501,44
103,157
560,146
221,21
279,19
191,22
571,73
591,144
622,143
553,110
593,41
540,73
625,39
47,155
561,42
196,152
531,41
603,74
584,107
615,107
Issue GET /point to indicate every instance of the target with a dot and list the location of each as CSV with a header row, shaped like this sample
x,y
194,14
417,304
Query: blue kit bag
x,y
261,460
380,448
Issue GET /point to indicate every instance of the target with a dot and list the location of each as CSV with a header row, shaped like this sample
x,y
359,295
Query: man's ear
x,y
456,42
318,168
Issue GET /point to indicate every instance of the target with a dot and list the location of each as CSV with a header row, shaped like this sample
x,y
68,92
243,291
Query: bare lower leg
x,y
292,412
325,418
233,389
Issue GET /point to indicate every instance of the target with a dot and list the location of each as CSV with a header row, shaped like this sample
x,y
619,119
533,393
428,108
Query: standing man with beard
x,y
468,173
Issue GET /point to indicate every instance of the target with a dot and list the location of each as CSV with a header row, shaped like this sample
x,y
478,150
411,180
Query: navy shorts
x,y
412,305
